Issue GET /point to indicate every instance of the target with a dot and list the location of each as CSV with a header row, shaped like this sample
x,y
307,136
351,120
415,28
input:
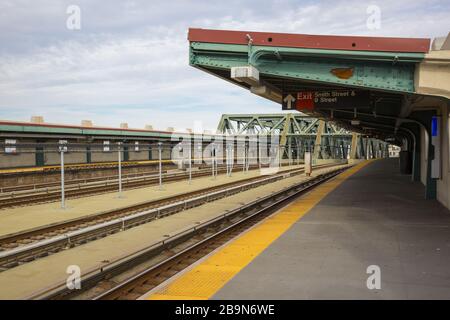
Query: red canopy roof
x,y
412,45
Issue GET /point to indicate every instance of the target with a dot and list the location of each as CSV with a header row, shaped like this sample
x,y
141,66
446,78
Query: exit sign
x,y
331,99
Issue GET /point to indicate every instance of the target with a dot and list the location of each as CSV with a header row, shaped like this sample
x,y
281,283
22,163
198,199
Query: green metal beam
x,y
371,70
296,130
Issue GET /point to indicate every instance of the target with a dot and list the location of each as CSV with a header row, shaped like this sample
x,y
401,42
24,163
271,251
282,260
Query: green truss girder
x,y
296,129
299,125
371,70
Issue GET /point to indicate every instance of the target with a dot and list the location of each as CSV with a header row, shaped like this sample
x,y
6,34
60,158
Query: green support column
x,y
431,188
343,150
425,118
362,149
416,159
331,150
414,150
367,148
329,147
372,150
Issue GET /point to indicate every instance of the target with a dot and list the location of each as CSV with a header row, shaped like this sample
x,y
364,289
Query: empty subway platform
x,y
320,246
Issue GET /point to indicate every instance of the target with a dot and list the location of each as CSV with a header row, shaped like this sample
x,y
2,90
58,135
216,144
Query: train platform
x,y
31,278
326,245
19,219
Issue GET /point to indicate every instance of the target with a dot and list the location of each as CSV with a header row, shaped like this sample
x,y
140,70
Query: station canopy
x,y
365,84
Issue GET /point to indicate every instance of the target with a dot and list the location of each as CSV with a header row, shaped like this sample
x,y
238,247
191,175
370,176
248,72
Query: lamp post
x,y
182,160
213,153
247,163
244,162
190,162
160,164
62,148
119,156
259,152
199,152
228,160
280,156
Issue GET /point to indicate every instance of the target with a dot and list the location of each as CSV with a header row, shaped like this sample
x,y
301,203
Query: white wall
x,y
443,192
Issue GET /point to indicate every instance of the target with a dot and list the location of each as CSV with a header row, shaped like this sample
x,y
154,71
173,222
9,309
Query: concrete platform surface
x,y
375,217
22,281
19,219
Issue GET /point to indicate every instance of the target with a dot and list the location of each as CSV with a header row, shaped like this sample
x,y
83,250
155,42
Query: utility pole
x,y
160,164
63,203
119,156
190,162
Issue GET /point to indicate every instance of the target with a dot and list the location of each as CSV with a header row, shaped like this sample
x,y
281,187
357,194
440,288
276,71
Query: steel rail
x,y
7,241
29,252
259,207
11,191
53,194
277,200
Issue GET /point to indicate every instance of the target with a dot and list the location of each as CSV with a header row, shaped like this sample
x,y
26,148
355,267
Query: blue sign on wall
x,y
434,126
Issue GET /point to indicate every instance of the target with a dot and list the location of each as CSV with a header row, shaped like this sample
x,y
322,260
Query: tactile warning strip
x,y
206,278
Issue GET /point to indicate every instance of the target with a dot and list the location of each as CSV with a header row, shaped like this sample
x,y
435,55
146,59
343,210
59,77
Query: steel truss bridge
x,y
299,133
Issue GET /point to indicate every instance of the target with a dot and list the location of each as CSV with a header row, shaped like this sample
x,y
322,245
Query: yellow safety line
x,y
205,279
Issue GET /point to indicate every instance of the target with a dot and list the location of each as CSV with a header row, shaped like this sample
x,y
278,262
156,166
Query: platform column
x,y
416,158
354,146
362,150
343,150
308,163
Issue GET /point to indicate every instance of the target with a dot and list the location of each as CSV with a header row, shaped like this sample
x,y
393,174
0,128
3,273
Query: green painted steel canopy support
x,y
371,70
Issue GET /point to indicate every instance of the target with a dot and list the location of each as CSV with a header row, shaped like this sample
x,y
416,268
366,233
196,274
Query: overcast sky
x,y
129,60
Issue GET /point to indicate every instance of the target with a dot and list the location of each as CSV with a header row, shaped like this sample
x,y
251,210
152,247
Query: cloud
x,y
129,62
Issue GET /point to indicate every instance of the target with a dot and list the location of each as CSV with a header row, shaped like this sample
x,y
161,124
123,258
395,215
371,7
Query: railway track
x,y
80,166
9,190
29,245
170,164
36,196
107,284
